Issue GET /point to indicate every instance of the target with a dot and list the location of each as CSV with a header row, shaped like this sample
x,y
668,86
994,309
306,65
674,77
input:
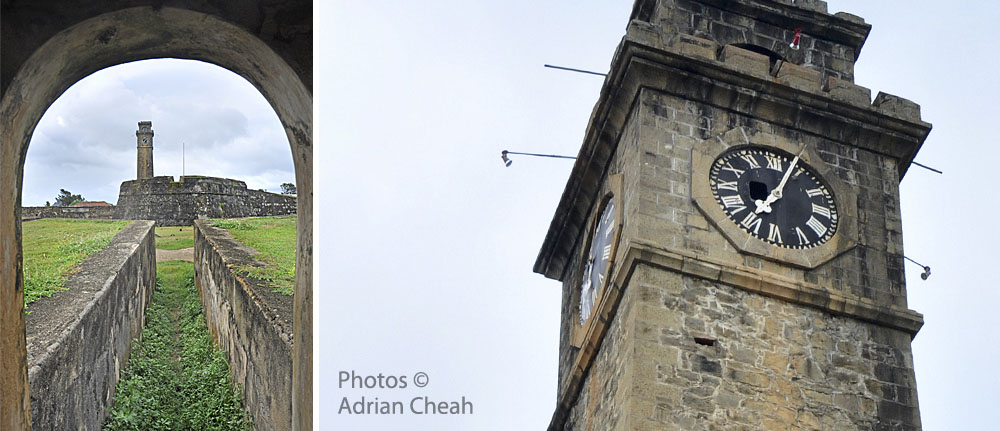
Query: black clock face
x,y
747,184
597,260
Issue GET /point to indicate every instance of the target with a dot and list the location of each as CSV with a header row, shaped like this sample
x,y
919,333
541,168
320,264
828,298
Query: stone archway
x,y
47,48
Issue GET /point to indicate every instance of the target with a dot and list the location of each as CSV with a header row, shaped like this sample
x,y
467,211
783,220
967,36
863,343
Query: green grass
x,y
274,238
54,247
175,378
174,237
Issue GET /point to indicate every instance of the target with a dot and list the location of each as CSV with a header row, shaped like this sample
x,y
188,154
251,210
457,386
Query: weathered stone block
x,y
746,61
813,5
798,77
897,106
846,91
697,47
850,17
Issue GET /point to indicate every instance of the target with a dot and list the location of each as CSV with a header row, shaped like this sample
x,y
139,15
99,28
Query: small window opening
x,y
704,341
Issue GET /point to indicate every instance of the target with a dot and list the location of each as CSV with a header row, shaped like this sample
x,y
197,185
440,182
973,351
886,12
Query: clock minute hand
x,y
765,205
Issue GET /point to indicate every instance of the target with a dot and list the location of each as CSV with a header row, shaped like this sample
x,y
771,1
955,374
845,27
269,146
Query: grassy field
x,y
274,238
174,237
175,378
53,248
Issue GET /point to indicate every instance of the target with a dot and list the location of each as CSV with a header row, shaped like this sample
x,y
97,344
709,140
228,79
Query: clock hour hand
x,y
765,205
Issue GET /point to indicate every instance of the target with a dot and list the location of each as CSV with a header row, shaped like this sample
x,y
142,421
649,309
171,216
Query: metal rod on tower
x,y
507,161
926,167
576,70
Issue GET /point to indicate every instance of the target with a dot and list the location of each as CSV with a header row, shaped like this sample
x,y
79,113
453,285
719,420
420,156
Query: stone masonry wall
x,y
179,203
728,25
774,365
250,322
34,213
79,340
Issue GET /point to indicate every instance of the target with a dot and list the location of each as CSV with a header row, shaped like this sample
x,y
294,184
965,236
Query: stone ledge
x,y
765,283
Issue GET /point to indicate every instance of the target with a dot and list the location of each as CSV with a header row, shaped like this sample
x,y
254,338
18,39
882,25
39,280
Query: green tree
x,y
288,188
65,198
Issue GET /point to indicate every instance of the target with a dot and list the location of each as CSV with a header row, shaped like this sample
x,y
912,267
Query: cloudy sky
x,y
424,242
86,143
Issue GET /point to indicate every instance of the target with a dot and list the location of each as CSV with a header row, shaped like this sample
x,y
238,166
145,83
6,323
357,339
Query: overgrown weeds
x,y
176,379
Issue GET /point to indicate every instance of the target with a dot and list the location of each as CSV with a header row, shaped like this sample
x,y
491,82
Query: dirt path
x,y
182,254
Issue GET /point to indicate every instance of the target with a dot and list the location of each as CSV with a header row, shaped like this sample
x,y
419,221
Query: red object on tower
x,y
795,40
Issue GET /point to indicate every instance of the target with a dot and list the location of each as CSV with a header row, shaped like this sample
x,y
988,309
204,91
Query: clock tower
x,y
729,240
144,150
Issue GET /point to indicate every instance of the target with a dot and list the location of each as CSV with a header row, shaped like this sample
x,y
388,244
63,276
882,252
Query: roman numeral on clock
x,y
816,226
735,171
727,185
606,254
773,233
821,210
750,160
773,162
735,202
802,236
751,222
814,192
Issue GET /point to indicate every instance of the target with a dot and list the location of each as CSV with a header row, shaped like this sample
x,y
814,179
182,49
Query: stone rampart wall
x,y
179,203
250,322
79,340
34,213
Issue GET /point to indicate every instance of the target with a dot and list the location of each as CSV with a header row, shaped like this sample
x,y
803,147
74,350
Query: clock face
x,y
595,271
747,184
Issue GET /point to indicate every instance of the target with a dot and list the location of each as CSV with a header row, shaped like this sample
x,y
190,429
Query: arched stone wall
x,y
268,43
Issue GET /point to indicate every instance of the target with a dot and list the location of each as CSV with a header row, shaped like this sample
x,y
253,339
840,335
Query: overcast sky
x,y
86,143
424,242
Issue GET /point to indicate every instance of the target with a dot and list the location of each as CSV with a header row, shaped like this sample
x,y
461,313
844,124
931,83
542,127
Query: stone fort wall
x,y
34,213
179,203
